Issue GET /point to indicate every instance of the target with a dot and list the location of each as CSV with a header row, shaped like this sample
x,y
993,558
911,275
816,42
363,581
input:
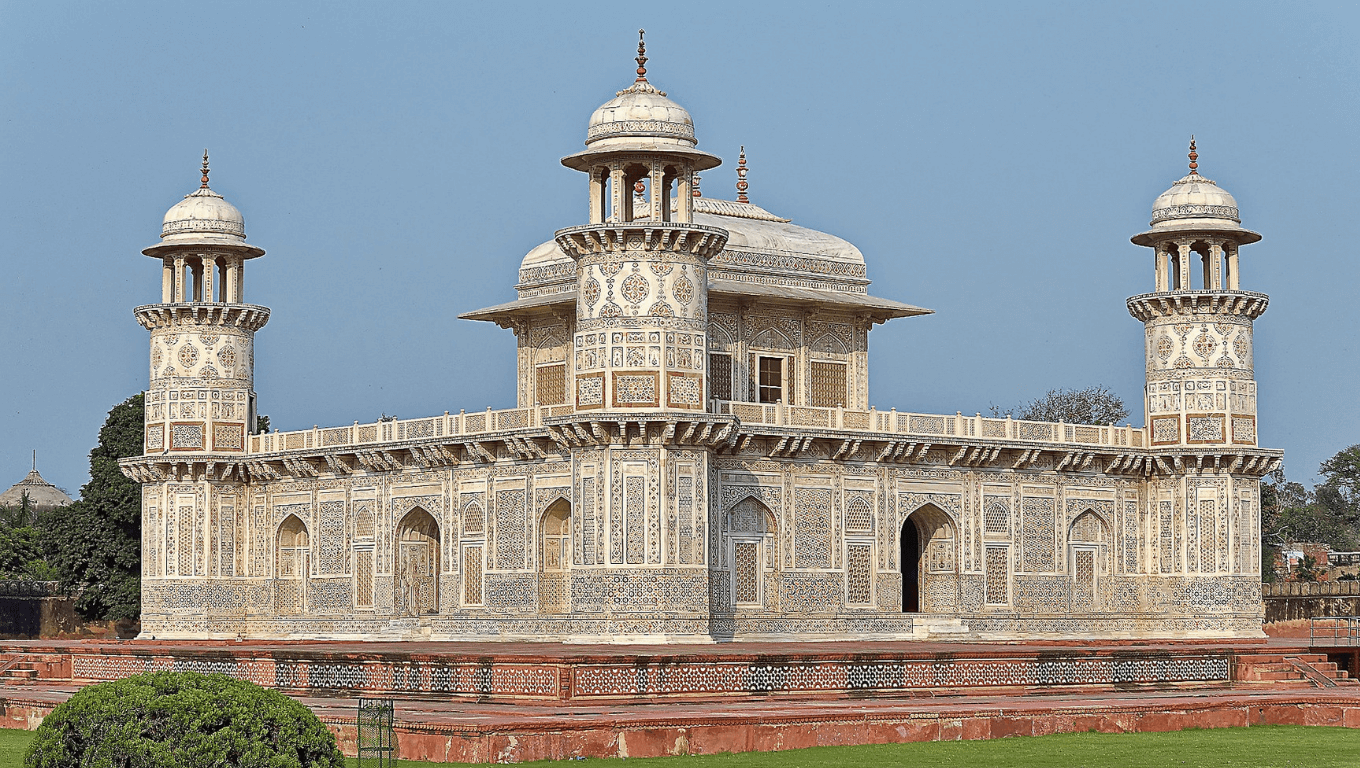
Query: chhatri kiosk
x,y
693,455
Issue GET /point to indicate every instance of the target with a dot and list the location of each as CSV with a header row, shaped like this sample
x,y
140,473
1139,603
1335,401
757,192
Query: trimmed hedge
x,y
181,720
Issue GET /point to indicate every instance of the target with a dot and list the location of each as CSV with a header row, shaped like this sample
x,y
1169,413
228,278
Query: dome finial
x,y
741,176
1193,156
642,57
204,185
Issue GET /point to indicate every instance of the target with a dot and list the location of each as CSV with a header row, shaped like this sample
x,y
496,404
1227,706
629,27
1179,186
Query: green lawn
x,y
1261,747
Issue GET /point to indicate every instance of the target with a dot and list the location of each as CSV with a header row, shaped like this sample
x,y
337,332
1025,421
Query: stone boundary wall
x,y
1294,600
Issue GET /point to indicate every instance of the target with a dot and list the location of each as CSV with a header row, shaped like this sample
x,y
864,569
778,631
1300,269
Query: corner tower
x,y
201,398
1200,387
641,266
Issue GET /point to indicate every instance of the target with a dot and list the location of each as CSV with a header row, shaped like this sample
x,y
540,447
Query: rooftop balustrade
x,y
888,423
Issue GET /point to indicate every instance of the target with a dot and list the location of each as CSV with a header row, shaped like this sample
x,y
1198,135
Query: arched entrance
x,y
751,536
554,557
417,564
292,566
1087,542
927,549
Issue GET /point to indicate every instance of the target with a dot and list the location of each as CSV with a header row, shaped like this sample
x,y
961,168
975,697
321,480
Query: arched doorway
x,y
927,552
1087,542
417,564
554,557
751,536
911,567
292,566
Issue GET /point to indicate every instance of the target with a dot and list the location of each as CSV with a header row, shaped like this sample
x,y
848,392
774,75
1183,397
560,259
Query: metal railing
x,y
1334,630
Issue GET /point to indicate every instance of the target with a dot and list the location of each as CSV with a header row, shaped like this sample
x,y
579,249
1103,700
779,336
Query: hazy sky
x,y
396,160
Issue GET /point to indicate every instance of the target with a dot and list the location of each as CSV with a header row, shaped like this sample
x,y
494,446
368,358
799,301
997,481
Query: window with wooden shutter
x,y
828,385
720,377
552,384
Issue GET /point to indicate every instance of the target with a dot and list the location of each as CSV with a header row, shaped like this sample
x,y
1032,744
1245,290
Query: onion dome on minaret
x,y
204,217
1195,204
640,118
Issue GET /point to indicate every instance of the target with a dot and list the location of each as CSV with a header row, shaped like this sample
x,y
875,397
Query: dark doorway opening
x,y
911,567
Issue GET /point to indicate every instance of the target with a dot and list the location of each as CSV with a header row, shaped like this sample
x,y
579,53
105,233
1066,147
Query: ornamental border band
x,y
693,457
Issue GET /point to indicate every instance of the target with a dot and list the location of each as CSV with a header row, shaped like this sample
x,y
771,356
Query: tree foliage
x,y
1328,514
1091,405
95,544
182,720
21,544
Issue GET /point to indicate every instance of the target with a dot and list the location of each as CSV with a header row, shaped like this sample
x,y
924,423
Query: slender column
x,y
657,189
231,297
1184,250
1216,254
208,267
597,202
1161,267
683,193
241,281
167,280
179,279
616,191
1234,277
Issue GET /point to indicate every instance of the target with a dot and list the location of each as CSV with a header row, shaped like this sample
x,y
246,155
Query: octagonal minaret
x,y
201,399
1200,387
642,269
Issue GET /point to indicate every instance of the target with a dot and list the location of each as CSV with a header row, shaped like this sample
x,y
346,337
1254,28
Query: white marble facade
x,y
693,456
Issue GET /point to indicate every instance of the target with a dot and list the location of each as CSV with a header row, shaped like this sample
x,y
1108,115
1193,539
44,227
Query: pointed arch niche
x,y
292,565
928,563
752,551
1088,559
554,557
417,558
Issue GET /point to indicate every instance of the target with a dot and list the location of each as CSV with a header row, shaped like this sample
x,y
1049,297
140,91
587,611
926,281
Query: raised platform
x,y
494,702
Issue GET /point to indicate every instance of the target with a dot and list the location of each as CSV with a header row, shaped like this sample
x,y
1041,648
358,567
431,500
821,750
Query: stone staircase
x,y
20,668
1300,670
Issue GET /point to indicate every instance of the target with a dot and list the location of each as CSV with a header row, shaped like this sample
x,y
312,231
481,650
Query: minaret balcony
x,y
1149,306
250,317
645,236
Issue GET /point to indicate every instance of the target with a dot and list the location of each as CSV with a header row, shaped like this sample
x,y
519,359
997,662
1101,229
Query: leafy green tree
x,y
261,424
1340,488
1307,569
95,544
1092,405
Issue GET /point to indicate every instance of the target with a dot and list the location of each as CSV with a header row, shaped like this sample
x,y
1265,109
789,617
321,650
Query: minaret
x,y
201,398
641,262
1200,388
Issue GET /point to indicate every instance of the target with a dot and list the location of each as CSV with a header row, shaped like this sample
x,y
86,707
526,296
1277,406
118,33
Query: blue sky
x,y
397,159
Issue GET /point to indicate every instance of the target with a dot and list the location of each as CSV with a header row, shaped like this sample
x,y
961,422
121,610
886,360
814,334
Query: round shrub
x,y
181,720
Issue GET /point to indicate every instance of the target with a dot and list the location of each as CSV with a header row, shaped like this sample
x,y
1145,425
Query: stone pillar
x,y
1234,276
179,279
167,280
1183,249
1161,268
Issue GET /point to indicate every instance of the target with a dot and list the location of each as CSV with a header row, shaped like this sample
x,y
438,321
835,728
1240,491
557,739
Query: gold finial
x,y
696,191
204,185
642,58
1193,157
741,176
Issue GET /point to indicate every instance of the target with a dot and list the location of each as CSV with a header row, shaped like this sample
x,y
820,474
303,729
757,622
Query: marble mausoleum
x,y
694,456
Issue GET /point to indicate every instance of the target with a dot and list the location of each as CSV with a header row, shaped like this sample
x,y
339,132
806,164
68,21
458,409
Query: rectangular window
x,y
720,377
828,385
771,373
552,384
472,575
998,578
746,573
363,576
